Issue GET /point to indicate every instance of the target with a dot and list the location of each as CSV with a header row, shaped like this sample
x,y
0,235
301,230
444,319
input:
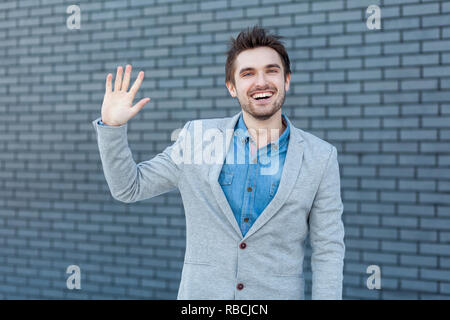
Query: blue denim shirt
x,y
250,176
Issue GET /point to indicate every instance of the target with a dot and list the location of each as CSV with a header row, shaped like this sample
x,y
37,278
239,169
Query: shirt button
x,y
249,189
254,160
275,147
240,286
243,245
245,219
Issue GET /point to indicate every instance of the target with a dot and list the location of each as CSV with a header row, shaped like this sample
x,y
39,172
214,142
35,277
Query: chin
x,y
263,111
262,115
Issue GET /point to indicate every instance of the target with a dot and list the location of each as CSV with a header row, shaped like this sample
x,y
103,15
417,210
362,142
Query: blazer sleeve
x,y
327,235
131,182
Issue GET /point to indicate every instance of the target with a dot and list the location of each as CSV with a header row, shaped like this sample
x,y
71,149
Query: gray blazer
x,y
216,264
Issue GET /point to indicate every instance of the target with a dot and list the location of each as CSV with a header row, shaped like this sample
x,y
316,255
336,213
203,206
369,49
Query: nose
x,y
261,80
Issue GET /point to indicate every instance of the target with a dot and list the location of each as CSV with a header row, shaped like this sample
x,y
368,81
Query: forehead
x,y
257,58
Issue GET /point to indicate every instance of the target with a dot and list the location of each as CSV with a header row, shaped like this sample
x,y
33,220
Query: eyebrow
x,y
273,65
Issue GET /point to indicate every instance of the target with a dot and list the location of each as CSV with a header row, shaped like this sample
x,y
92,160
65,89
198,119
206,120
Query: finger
x,y
126,78
136,85
108,86
118,82
138,106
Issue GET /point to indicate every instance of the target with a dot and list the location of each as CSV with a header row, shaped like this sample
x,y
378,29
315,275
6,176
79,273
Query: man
x,y
248,212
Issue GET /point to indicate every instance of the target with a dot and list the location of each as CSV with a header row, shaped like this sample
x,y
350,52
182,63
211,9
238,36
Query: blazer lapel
x,y
214,172
291,170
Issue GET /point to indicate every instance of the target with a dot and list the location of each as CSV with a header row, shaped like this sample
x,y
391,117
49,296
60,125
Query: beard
x,y
262,112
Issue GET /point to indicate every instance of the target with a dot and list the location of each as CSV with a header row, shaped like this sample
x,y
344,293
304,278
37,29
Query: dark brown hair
x,y
254,38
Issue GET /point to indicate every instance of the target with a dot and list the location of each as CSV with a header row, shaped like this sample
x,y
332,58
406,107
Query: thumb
x,y
138,106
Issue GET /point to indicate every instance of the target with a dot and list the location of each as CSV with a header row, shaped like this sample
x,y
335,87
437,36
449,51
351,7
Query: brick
x,y
401,23
397,196
418,210
327,100
310,42
328,76
351,27
328,53
418,235
362,3
352,292
391,36
382,61
434,274
364,75
381,85
421,9
399,247
372,98
401,48
439,20
347,15
213,5
434,248
345,63
346,136
380,233
418,260
345,87
435,71
417,285
400,272
309,18
418,134
437,45
293,8
345,40
372,257
443,186
260,11
422,34
418,84
434,147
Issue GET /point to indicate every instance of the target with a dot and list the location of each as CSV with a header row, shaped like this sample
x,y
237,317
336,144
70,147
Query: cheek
x,y
243,90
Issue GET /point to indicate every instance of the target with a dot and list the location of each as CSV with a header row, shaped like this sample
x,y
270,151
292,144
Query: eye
x,y
245,74
273,71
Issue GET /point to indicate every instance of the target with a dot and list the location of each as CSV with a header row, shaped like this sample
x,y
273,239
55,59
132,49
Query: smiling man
x,y
248,214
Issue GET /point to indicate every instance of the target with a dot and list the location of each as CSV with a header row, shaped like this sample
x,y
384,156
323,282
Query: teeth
x,y
262,95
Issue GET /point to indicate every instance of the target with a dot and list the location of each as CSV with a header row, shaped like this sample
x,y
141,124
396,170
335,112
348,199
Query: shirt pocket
x,y
274,188
225,178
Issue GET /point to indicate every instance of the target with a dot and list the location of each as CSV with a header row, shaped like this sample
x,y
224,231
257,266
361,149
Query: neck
x,y
264,131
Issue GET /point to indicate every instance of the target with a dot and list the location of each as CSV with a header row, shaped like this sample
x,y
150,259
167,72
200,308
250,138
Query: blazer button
x,y
240,286
243,245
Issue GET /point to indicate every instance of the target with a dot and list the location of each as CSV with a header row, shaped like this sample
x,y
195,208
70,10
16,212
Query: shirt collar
x,y
241,132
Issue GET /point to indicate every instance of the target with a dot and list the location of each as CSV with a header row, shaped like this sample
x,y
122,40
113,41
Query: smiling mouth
x,y
262,99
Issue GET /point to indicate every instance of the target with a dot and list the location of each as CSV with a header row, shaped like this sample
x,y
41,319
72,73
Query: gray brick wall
x,y
382,97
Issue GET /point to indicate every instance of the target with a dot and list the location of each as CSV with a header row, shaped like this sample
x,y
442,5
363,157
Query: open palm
x,y
117,106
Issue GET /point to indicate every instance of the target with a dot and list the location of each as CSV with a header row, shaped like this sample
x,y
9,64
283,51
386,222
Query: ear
x,y
287,82
231,89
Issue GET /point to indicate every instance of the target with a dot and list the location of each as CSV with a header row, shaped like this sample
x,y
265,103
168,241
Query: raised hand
x,y
117,106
